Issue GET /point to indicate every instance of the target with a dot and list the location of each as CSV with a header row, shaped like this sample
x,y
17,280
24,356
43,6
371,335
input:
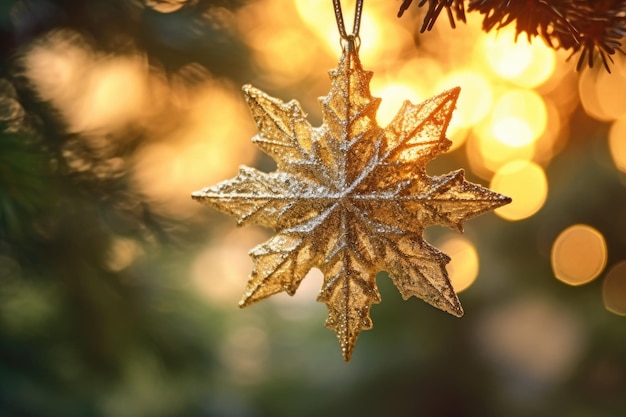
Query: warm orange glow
x,y
579,255
420,72
524,115
95,94
551,142
488,154
526,183
512,131
458,135
475,99
507,58
523,63
463,267
452,46
611,92
211,139
320,20
166,6
282,56
614,289
100,106
122,253
412,80
542,65
393,95
376,31
56,63
617,143
588,92
285,54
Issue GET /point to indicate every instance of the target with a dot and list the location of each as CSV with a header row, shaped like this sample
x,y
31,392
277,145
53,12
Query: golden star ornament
x,y
351,199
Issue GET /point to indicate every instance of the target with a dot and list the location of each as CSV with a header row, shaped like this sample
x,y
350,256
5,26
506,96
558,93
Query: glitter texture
x,y
352,199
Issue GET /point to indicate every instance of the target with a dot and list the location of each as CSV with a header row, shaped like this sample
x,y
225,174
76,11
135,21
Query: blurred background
x,y
118,293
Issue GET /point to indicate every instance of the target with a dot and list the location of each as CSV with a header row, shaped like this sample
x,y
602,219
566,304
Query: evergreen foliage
x,y
589,28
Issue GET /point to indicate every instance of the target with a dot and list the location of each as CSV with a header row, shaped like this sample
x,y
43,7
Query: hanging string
x,y
351,38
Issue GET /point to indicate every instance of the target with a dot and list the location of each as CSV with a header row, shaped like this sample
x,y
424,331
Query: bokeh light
x,y
86,86
519,117
199,149
220,272
421,72
614,289
464,264
526,183
533,338
588,93
166,6
610,88
55,63
487,154
285,56
393,95
506,57
617,143
553,139
512,131
320,20
526,64
516,122
578,255
123,253
101,107
475,99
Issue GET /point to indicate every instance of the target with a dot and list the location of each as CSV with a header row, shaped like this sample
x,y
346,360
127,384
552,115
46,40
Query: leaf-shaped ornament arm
x,y
267,199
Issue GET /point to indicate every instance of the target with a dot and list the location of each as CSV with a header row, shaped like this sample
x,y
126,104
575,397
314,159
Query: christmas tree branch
x,y
589,28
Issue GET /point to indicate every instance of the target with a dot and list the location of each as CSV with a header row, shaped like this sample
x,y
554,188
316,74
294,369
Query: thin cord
x,y
341,24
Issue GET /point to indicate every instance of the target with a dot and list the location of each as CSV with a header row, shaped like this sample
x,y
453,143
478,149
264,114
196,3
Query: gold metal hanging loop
x,y
349,40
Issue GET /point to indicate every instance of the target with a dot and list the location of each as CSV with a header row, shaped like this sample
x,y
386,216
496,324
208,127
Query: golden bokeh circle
x,y
476,99
526,183
527,64
464,265
617,144
519,117
614,289
578,255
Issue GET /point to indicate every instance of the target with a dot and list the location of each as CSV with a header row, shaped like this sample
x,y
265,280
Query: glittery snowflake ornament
x,y
351,199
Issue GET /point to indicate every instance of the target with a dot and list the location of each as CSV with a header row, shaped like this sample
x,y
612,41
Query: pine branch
x,y
589,28
454,9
